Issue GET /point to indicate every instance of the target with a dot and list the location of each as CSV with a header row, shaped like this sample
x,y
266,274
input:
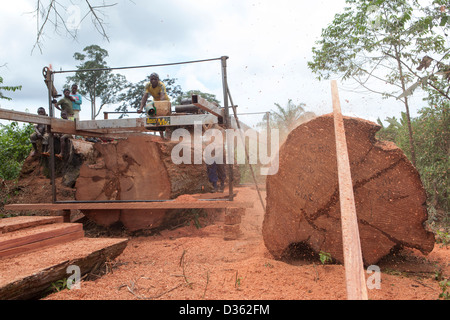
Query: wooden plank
x,y
130,205
38,245
353,262
58,125
212,196
30,235
207,106
21,222
24,117
65,126
22,280
69,127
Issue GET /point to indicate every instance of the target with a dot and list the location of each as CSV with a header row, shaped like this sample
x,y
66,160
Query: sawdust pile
x,y
197,263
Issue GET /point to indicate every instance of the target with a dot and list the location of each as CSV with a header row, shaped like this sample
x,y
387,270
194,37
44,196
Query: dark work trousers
x,y
216,172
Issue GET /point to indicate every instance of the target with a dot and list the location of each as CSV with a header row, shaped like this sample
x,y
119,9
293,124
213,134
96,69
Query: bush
x,y
15,146
431,136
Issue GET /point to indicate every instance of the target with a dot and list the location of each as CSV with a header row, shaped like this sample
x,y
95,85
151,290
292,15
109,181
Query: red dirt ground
x,y
194,264
188,263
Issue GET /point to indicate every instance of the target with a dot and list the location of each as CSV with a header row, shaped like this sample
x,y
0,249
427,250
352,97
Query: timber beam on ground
x,y
169,204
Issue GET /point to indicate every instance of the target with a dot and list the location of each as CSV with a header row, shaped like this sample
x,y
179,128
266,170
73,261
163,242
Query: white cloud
x,y
268,45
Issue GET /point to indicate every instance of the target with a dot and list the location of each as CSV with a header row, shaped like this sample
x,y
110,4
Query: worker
x,y
65,104
216,173
75,97
216,169
63,138
156,88
39,134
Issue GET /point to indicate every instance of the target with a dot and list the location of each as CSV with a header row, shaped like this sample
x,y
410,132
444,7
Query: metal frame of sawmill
x,y
113,128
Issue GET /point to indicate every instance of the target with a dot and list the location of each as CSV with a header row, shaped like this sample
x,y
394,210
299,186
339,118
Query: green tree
x,y
15,146
393,131
432,135
188,94
433,146
285,119
433,71
372,43
98,84
7,88
436,14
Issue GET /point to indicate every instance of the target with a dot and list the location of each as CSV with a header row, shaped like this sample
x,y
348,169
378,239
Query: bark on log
x,y
22,280
303,197
138,168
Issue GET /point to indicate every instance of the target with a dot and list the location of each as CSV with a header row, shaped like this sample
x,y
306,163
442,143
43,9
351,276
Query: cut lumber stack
x,y
36,251
33,238
21,222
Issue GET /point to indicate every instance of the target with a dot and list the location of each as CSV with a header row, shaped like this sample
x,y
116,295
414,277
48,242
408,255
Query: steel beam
x,y
184,120
88,125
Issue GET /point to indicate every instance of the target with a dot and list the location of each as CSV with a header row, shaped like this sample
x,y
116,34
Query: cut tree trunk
x,y
303,196
137,168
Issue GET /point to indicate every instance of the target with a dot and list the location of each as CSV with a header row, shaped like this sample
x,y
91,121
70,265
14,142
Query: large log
x,y
137,168
303,197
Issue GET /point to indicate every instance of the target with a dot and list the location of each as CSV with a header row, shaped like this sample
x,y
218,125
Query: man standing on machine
x,y
156,88
76,102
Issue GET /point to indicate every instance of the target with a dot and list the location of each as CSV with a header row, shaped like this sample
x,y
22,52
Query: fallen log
x,y
303,197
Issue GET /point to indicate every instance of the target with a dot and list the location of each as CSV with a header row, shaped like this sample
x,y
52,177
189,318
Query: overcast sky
x,y
268,44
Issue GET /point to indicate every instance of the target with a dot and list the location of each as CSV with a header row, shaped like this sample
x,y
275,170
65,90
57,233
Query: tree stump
x,y
303,196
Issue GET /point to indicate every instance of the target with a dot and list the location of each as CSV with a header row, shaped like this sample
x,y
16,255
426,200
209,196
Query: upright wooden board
x,y
354,268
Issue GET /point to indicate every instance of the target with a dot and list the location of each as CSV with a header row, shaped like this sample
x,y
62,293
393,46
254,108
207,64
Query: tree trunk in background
x,y
412,148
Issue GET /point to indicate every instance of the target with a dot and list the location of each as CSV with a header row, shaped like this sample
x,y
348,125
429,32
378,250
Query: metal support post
x,y
51,140
227,122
